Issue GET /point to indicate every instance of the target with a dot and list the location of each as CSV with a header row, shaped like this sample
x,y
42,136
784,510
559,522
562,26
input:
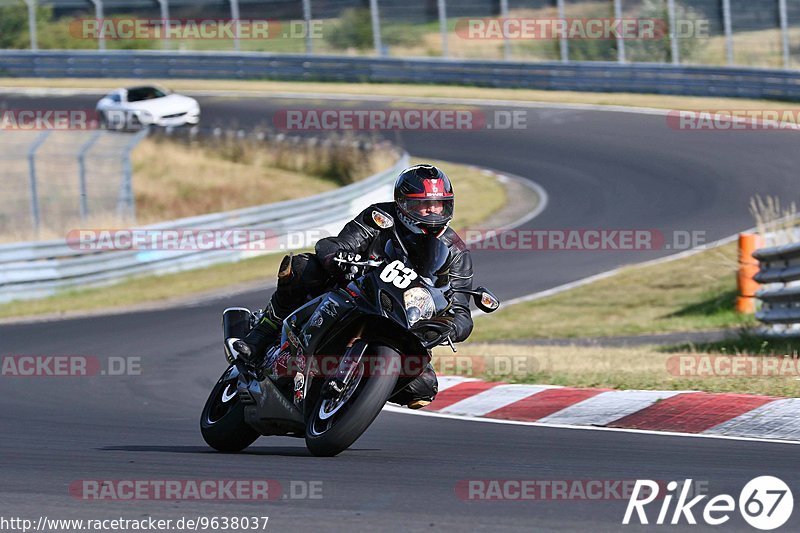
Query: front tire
x,y
222,421
328,434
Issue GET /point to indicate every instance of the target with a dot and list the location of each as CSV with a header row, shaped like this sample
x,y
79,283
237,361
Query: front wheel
x,y
222,422
336,423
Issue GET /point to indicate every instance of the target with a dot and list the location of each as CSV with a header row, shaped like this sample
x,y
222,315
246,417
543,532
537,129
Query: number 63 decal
x,y
398,274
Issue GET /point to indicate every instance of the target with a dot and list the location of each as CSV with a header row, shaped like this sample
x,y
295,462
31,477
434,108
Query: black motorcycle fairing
x,y
386,331
369,309
310,323
269,412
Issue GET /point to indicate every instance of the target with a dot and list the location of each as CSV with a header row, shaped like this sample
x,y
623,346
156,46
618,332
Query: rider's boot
x,y
420,392
253,347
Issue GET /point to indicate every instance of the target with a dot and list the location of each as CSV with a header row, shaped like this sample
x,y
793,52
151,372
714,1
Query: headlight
x,y
419,304
144,116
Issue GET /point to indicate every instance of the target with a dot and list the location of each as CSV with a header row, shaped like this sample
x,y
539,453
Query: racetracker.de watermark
x,y
195,489
48,119
234,239
547,489
262,240
411,365
583,239
532,29
127,28
734,119
733,366
69,366
402,119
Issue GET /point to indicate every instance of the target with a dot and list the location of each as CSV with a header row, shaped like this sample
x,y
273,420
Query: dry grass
x,y
46,233
760,48
614,368
690,294
175,180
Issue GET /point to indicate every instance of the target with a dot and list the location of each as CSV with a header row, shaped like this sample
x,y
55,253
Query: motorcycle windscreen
x,y
428,255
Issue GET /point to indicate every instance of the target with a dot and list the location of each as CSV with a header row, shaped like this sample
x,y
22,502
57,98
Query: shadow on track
x,y
255,450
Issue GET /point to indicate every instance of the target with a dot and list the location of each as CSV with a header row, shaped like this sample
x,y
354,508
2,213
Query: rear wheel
x,y
222,422
336,423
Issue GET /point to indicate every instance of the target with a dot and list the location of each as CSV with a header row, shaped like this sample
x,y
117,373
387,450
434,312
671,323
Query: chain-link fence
x,y
712,32
54,179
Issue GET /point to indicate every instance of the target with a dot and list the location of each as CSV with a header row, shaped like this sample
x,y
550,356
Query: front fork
x,y
336,384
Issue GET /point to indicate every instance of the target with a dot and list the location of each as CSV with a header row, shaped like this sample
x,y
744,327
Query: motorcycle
x,y
342,355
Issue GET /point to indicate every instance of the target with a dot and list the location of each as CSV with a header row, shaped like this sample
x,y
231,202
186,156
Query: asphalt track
x,y
600,169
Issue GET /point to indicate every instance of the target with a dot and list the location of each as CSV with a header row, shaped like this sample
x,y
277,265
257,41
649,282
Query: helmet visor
x,y
433,211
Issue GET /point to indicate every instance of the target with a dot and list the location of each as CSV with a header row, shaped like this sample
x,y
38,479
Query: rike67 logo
x,y
765,503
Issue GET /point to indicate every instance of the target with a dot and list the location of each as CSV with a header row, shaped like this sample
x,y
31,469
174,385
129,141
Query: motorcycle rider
x,y
423,203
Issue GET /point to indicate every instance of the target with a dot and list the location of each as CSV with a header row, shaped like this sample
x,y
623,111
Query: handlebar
x,y
367,263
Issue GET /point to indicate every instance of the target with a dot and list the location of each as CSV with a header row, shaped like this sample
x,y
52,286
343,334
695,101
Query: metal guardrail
x,y
574,76
37,269
779,265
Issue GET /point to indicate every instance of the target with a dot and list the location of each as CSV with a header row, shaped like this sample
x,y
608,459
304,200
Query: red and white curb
x,y
682,412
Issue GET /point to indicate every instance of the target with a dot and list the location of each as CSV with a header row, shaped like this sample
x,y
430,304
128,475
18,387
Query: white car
x,y
136,107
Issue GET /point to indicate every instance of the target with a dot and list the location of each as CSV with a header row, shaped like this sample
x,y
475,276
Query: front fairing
x,y
307,326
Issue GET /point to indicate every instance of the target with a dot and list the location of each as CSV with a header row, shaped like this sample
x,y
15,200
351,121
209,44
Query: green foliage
x,y
14,24
747,342
636,50
660,49
592,49
62,33
354,30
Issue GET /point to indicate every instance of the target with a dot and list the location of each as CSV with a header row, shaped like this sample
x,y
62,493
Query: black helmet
x,y
424,198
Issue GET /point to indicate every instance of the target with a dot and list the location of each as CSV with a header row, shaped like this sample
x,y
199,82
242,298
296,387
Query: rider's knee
x,y
299,271
423,387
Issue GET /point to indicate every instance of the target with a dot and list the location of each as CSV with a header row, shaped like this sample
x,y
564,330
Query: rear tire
x,y
222,423
362,407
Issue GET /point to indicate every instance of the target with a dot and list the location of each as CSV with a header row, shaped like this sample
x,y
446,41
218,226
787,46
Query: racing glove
x,y
348,272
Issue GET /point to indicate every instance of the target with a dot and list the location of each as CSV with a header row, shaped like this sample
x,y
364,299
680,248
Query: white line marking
x,y
403,410
544,199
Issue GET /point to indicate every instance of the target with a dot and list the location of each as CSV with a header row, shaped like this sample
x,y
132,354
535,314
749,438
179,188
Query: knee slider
x,y
291,269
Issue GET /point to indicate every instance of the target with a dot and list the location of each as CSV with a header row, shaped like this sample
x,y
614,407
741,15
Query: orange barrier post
x,y
748,267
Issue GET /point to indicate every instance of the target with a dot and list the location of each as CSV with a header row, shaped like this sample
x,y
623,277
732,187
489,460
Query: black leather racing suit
x,y
309,273
361,236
